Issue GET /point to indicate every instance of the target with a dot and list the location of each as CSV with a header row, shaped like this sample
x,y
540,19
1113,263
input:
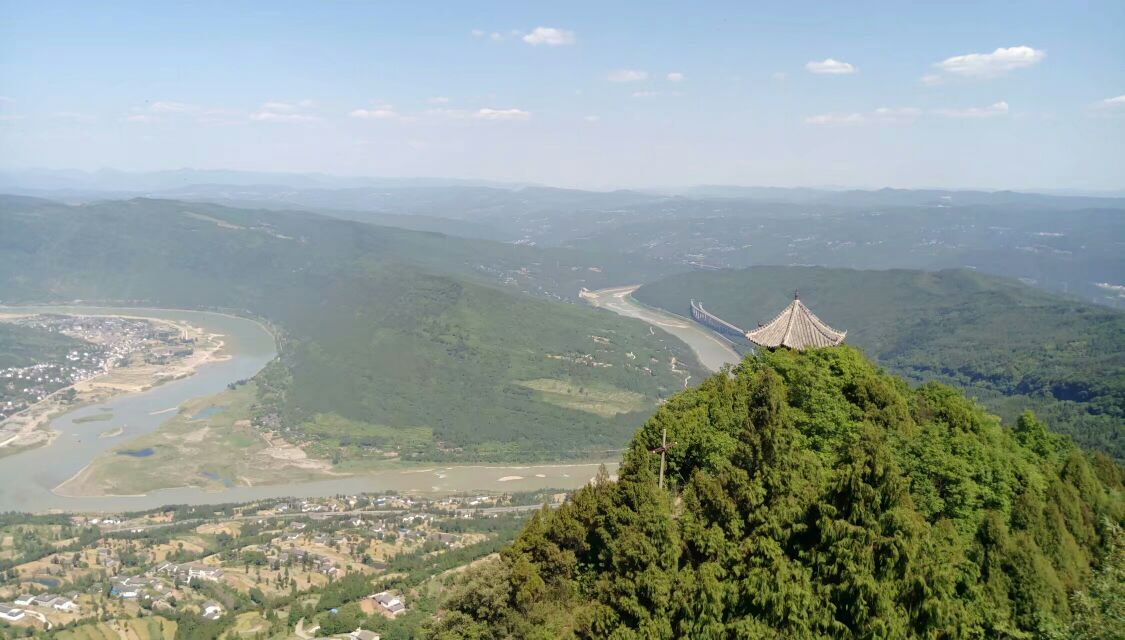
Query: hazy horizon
x,y
444,180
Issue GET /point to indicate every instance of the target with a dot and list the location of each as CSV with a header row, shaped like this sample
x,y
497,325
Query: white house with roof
x,y
391,604
11,614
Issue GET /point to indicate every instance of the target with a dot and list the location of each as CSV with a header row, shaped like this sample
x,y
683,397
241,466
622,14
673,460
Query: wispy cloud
x,y
645,94
627,75
592,118
438,100
385,112
905,115
675,76
502,114
987,65
141,118
835,118
292,112
830,67
164,106
991,111
549,36
1116,102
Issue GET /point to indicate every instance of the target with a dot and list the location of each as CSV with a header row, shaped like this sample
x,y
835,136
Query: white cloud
x,y
381,113
930,79
495,36
882,115
270,116
991,65
828,66
645,94
141,118
1116,102
477,33
8,117
592,118
163,106
675,76
627,75
280,107
896,114
779,75
438,100
274,111
502,114
835,118
549,36
904,115
992,110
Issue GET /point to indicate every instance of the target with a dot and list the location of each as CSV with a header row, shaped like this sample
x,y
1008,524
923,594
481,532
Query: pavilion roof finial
x,y
796,294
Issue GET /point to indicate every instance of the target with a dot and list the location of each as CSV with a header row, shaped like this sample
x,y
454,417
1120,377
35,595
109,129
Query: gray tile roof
x,y
797,328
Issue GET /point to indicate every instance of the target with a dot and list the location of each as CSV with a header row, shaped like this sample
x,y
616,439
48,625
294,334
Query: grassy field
x,y
218,451
601,401
151,628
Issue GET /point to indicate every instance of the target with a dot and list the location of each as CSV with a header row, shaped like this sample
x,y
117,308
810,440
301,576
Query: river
x,y
28,478
712,350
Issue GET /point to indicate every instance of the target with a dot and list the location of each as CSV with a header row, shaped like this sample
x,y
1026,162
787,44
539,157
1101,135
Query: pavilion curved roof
x,y
796,327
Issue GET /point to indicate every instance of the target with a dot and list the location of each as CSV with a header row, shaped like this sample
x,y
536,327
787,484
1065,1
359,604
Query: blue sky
x,y
1023,95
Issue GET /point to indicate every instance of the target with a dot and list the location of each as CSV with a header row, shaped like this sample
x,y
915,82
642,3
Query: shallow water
x,y
27,479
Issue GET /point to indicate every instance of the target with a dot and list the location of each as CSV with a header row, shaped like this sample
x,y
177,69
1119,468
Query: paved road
x,y
314,514
712,350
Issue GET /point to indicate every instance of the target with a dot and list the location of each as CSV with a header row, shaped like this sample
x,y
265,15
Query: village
x,y
109,343
343,567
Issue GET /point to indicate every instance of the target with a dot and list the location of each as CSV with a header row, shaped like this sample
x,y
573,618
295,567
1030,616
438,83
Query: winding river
x,y
28,478
712,350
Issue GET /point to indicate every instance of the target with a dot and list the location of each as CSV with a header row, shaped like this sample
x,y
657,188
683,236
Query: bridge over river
x,y
712,350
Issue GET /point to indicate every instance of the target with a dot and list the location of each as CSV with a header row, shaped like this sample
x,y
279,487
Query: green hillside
x,y
24,346
1011,346
385,330
810,495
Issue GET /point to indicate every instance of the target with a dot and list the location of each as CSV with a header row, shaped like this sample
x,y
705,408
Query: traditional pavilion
x,y
797,328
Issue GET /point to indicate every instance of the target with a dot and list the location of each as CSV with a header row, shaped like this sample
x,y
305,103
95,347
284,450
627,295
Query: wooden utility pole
x,y
663,450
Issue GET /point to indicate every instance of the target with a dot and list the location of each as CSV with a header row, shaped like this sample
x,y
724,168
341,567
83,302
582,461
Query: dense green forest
x,y
24,346
812,495
1009,345
383,329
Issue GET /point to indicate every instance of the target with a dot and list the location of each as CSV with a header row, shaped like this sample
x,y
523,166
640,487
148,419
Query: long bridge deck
x,y
708,319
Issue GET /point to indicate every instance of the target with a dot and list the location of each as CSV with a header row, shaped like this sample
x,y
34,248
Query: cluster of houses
x,y
111,340
150,586
189,571
16,611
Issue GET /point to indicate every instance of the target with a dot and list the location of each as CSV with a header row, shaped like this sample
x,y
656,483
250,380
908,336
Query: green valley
x,y
1011,346
379,329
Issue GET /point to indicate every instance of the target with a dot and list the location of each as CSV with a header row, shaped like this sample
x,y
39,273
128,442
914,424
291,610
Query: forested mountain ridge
x,y
394,341
811,495
1010,345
